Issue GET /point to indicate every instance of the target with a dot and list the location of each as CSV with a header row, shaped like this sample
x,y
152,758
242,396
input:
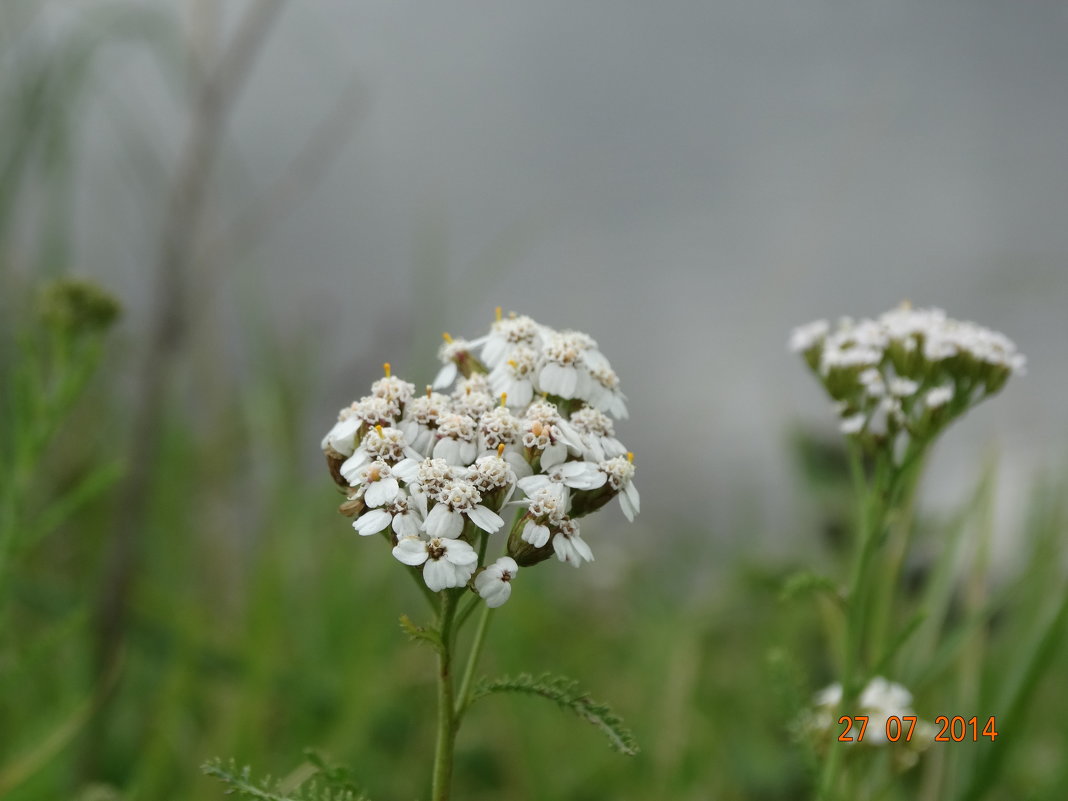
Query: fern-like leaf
x,y
566,693
329,784
420,633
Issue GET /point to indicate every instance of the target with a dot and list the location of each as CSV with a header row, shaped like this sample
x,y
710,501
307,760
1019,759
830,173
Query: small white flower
x,y
446,562
421,417
853,424
597,433
808,336
620,474
456,439
401,514
387,445
569,545
494,583
508,334
547,507
576,475
374,480
450,354
514,376
939,396
456,499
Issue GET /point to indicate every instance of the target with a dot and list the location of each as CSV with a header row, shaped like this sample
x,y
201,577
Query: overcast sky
x,y
686,181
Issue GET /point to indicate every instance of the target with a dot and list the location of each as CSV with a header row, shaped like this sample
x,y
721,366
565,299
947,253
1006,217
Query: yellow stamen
x,y
468,388
498,311
500,450
378,428
504,398
512,363
429,390
386,368
630,457
446,337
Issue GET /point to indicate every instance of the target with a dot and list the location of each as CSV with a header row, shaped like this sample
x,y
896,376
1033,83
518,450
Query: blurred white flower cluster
x,y
909,372
878,702
529,409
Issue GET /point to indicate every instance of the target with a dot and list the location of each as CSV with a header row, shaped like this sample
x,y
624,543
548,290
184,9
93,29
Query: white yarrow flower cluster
x,y
878,702
905,375
517,424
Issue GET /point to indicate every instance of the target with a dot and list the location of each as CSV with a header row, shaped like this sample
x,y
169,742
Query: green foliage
x,y
565,693
313,781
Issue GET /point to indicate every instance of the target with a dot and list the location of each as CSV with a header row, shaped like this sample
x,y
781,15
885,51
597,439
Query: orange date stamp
x,y
900,728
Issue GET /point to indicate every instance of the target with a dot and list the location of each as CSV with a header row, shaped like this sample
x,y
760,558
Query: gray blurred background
x,y
686,181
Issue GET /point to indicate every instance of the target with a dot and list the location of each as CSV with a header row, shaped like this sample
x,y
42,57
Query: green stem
x,y
462,698
447,721
871,513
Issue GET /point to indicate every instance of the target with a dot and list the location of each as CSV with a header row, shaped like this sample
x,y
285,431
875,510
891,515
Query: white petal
x,y
447,449
532,484
407,469
629,501
485,519
460,553
446,375
385,490
535,534
351,465
553,455
342,436
443,522
371,522
410,551
406,524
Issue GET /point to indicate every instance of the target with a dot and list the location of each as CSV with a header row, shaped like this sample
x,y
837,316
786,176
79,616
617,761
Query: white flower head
x,y
494,583
446,562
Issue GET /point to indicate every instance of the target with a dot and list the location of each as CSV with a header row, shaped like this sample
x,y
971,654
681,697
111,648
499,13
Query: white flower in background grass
x,y
523,408
879,701
446,562
494,583
459,498
900,378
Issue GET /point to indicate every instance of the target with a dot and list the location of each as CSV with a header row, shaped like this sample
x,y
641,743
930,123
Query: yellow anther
x,y
500,449
468,389
386,368
630,457
445,335
378,428
504,398
512,363
429,390
498,312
